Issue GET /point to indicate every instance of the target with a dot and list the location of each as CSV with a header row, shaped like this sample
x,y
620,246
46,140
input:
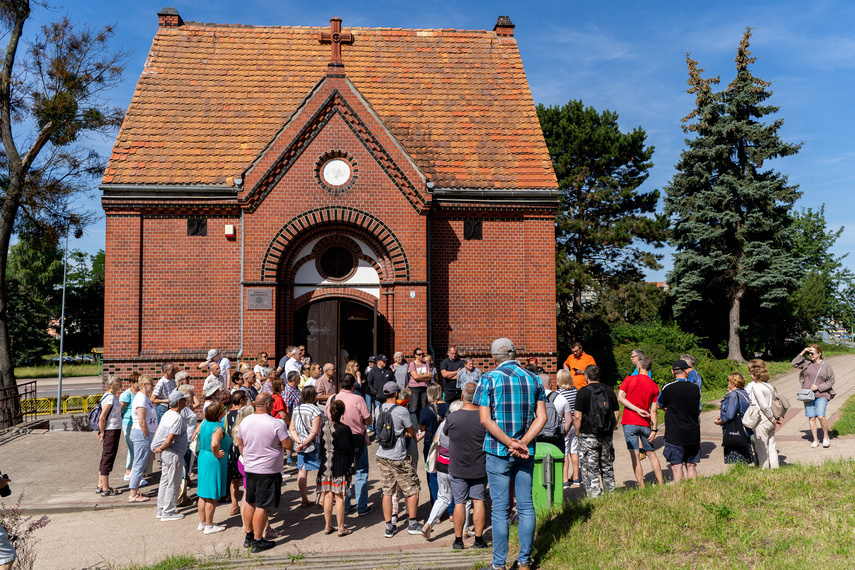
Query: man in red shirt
x,y
638,395
576,364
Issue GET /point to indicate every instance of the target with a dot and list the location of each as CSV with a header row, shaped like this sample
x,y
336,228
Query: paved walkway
x,y
57,472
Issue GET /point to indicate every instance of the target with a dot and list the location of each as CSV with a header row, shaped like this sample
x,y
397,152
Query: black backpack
x,y
600,415
385,432
552,427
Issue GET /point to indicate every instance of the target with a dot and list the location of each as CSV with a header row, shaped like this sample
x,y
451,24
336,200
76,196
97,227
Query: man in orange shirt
x,y
576,364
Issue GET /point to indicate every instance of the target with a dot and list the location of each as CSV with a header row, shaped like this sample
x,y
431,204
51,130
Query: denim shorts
x,y
7,551
816,408
631,433
308,460
677,454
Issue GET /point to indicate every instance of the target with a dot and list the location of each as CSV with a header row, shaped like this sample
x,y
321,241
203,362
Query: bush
x,y
20,530
664,344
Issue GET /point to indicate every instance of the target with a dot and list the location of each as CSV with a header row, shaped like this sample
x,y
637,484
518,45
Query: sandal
x,y
270,534
110,492
345,531
306,505
329,530
99,490
139,499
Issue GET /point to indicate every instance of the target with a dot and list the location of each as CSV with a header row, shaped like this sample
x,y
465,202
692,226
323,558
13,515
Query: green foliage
x,y
27,323
824,297
602,216
731,216
664,344
845,424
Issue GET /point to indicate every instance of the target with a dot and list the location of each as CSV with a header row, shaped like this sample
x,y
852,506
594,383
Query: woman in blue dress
x,y
213,463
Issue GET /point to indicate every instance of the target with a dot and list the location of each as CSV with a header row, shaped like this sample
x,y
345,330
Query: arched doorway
x,y
332,323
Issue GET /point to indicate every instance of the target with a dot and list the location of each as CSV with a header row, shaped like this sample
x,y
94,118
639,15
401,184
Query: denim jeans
x,y
160,410
360,483
369,403
500,471
141,451
126,431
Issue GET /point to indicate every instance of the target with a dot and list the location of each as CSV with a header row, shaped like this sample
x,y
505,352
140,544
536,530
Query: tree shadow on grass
x,y
552,530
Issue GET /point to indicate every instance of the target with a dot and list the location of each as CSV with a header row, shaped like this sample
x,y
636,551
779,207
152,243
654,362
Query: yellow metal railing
x,y
71,404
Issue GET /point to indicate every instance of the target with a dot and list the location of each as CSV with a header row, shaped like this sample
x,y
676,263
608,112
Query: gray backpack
x,y
552,428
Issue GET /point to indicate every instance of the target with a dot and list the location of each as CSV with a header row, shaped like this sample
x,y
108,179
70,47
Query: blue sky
x,y
625,56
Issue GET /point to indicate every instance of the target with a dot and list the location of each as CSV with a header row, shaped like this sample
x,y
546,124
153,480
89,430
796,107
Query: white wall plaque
x,y
259,299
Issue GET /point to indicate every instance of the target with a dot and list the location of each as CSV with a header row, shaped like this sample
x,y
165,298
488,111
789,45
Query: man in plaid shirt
x,y
513,410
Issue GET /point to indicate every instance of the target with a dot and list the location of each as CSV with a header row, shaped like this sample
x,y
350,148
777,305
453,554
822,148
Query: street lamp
x,y
78,233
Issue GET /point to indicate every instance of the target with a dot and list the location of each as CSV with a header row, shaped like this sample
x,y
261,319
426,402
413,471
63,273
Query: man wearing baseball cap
x,y
224,366
513,410
395,468
170,441
681,401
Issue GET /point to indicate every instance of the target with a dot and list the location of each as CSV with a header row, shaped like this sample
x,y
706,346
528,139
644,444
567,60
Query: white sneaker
x,y
201,526
143,482
158,515
127,477
214,528
826,443
172,517
815,444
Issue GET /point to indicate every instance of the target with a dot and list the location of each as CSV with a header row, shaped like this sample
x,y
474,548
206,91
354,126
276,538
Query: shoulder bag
x,y
780,404
753,415
734,433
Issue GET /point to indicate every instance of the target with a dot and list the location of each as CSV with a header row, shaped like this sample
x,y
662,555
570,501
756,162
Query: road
x,y
75,386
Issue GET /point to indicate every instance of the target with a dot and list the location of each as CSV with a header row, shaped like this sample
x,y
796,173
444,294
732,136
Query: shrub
x,y
21,531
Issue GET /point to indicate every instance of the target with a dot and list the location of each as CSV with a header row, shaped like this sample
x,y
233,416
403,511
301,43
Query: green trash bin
x,y
539,492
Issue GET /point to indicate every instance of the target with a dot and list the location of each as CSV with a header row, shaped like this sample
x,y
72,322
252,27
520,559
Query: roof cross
x,y
335,38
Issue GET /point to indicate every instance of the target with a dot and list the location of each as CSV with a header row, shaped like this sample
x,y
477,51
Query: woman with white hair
x,y
401,369
109,432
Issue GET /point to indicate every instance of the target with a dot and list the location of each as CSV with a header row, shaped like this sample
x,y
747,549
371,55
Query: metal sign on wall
x,y
259,299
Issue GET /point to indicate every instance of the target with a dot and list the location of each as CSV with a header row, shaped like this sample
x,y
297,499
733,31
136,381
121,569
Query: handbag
x,y
780,404
753,415
734,434
433,452
805,395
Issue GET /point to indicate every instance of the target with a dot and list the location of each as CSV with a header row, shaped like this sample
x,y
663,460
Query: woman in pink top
x,y
419,378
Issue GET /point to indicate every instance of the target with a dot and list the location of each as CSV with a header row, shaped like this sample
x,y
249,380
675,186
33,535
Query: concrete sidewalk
x,y
57,472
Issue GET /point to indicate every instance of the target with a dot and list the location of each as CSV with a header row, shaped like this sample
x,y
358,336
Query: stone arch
x,y
324,219
338,292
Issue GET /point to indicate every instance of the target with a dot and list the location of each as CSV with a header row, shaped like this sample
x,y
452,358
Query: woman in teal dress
x,y
212,462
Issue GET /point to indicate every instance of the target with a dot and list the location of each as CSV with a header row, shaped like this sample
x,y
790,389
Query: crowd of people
x,y
477,433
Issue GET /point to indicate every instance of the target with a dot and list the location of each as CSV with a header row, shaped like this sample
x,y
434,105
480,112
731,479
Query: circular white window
x,y
336,172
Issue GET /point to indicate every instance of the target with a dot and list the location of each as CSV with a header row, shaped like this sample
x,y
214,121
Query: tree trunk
x,y
734,348
10,408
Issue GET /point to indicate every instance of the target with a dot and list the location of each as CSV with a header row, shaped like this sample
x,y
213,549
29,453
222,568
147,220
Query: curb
x,y
83,508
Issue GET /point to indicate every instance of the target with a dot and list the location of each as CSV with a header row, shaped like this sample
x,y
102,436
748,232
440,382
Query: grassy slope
x,y
795,517
48,371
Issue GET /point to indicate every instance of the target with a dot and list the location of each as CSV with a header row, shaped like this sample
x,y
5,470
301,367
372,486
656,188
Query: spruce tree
x,y
730,212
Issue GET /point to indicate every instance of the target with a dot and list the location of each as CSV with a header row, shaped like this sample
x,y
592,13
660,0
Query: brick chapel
x,y
381,189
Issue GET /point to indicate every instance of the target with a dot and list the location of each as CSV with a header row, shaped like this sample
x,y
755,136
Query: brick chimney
x,y
504,27
169,18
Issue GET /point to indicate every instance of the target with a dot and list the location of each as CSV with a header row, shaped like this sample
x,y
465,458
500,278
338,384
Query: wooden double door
x,y
334,326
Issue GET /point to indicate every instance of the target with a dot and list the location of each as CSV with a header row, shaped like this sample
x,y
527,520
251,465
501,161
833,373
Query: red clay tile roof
x,y
212,96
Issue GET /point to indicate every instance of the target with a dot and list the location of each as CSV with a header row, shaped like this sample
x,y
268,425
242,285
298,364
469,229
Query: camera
x,y
6,490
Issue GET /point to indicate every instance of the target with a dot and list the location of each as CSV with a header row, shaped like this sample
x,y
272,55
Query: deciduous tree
x,y
730,212
49,98
603,220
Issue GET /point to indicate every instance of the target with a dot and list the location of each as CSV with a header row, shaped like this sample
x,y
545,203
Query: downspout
x,y
429,319
240,285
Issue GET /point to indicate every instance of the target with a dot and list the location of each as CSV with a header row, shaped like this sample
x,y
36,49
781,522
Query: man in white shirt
x,y
164,387
223,363
170,440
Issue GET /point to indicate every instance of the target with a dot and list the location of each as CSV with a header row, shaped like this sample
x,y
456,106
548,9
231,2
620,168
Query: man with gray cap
x,y
396,471
513,410
170,440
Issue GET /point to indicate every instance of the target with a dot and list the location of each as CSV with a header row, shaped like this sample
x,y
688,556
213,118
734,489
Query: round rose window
x,y
337,262
336,172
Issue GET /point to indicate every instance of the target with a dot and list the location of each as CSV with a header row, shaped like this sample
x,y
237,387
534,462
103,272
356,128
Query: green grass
x,y
845,424
50,371
745,518
175,562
